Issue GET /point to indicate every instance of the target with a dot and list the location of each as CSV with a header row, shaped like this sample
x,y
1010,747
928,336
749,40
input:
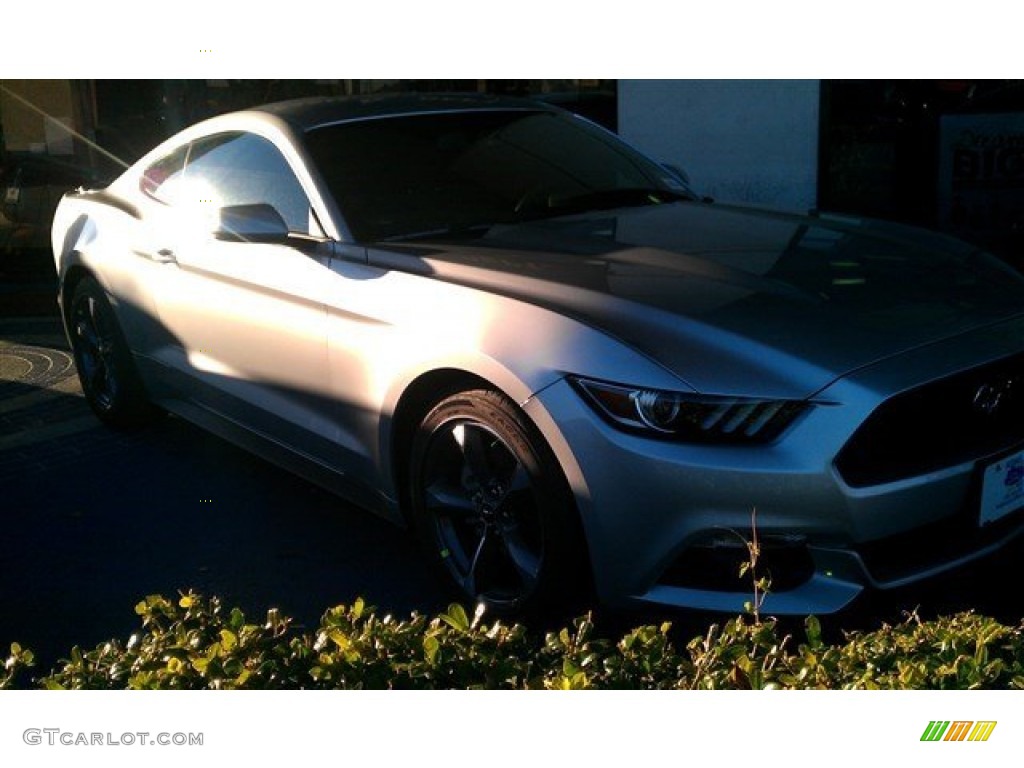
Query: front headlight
x,y
690,417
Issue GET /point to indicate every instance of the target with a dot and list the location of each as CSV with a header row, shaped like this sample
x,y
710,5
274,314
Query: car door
x,y
247,319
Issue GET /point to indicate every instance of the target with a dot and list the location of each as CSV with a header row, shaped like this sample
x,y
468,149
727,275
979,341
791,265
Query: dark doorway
x,y
947,154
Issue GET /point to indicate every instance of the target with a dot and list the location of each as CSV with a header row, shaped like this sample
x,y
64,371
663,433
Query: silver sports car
x,y
569,375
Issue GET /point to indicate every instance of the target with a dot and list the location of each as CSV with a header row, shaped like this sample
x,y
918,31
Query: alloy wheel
x,y
484,508
95,347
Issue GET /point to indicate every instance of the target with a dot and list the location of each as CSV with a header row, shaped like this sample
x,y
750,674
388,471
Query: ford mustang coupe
x,y
570,376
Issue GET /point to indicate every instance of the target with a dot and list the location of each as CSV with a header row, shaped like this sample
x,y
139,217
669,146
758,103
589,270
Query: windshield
x,y
417,175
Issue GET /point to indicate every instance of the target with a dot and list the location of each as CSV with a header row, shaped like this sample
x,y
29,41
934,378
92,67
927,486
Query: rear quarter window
x,y
159,178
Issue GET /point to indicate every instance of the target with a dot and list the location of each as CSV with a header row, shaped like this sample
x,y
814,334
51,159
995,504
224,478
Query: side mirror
x,y
683,178
680,175
256,223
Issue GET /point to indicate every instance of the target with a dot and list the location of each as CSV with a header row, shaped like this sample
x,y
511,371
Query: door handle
x,y
165,256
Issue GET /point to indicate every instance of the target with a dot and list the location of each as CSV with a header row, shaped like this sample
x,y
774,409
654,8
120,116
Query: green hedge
x,y
194,643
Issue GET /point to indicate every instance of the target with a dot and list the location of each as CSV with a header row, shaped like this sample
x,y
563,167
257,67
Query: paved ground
x,y
94,519
27,279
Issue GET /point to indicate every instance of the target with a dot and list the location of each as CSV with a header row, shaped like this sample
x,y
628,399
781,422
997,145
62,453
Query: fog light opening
x,y
713,561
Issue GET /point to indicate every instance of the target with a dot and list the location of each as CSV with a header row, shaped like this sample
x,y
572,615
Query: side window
x,y
229,169
242,169
159,179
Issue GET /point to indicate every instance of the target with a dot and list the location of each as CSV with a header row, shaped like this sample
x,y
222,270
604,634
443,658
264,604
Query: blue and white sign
x,y
1003,488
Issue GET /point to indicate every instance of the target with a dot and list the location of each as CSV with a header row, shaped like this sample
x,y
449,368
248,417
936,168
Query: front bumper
x,y
650,507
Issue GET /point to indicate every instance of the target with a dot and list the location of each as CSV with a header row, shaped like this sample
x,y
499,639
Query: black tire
x,y
110,382
493,510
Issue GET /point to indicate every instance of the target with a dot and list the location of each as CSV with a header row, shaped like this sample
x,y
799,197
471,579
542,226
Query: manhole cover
x,y
32,366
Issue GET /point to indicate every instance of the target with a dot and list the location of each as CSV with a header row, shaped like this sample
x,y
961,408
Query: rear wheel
x,y
492,509
105,368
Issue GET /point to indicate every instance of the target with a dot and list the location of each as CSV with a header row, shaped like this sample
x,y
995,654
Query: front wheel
x,y
106,371
492,508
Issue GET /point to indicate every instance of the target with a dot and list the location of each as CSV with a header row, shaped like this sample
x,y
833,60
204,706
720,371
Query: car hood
x,y
737,300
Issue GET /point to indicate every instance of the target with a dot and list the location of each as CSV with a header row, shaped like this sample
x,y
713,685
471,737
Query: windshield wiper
x,y
447,231
599,200
605,199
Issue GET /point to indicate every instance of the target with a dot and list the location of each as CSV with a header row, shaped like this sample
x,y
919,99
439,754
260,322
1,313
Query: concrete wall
x,y
25,129
751,141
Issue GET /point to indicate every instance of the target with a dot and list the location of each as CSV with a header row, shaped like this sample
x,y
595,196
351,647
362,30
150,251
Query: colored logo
x,y
958,730
1014,472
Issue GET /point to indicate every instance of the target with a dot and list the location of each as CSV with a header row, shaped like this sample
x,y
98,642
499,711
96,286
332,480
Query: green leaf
x,y
228,639
813,628
456,618
431,647
340,639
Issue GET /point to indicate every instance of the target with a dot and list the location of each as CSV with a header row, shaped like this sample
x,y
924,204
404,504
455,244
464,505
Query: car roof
x,y
314,112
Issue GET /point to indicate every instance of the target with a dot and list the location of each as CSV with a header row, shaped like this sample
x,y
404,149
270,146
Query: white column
x,y
744,141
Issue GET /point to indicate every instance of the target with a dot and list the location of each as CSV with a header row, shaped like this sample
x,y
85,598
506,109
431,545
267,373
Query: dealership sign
x,y
981,173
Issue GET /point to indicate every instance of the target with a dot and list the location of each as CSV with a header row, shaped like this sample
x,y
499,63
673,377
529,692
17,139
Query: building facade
x,y
943,154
